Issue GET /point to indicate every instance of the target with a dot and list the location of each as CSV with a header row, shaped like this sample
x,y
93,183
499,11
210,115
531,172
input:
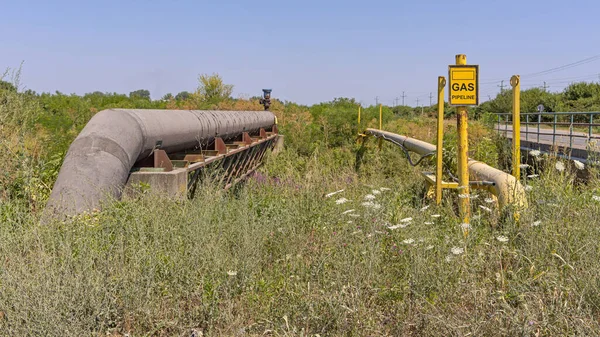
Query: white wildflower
x,y
424,208
357,232
429,223
560,167
383,189
348,211
533,176
523,166
457,250
430,247
333,193
534,153
354,215
342,201
376,192
528,188
489,200
536,223
595,198
371,204
398,226
408,241
463,196
369,197
502,238
465,226
435,215
231,272
448,258
350,222
405,220
487,209
579,165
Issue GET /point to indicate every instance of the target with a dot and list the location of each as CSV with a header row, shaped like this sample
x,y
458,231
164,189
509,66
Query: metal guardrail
x,y
573,120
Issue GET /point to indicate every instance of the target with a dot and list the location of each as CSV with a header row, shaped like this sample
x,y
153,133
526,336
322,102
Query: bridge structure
x,y
167,151
570,135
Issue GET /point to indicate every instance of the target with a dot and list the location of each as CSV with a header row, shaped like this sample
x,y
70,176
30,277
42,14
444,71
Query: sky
x,y
306,51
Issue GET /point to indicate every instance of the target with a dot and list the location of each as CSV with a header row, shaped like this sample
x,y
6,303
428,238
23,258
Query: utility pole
x,y
396,101
430,99
376,100
403,95
417,102
501,86
545,86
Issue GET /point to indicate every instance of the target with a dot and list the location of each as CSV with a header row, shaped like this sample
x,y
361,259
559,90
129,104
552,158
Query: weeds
x,y
278,257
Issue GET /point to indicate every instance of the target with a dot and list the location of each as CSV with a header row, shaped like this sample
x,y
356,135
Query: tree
x,y
211,88
182,96
141,93
7,86
167,97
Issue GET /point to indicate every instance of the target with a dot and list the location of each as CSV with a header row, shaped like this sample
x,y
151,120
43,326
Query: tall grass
x,y
278,257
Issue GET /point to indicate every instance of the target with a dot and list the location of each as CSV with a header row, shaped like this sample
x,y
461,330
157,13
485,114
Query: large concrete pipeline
x,y
506,187
98,162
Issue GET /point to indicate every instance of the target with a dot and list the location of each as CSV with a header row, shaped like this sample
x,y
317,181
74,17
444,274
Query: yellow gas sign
x,y
464,85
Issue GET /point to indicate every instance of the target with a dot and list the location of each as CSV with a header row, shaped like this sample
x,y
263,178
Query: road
x,y
562,136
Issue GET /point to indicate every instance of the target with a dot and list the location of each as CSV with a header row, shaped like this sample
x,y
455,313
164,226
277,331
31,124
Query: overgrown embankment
x,y
278,256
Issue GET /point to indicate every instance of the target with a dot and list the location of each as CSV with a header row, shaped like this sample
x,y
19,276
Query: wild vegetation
x,y
308,246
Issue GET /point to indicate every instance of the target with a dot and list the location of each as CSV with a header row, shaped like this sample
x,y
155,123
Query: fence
x,y
580,126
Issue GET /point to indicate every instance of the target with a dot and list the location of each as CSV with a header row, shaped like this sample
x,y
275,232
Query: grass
x,y
276,257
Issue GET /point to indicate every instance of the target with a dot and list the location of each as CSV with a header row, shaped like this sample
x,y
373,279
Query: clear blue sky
x,y
307,51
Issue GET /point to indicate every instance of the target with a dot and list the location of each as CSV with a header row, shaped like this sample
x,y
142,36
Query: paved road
x,y
562,136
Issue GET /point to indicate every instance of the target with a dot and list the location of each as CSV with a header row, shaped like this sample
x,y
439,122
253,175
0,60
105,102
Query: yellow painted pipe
x,y
440,139
464,203
515,82
507,188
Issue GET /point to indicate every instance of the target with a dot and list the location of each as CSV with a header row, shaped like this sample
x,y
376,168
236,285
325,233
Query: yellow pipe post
x,y
440,139
464,202
359,117
515,82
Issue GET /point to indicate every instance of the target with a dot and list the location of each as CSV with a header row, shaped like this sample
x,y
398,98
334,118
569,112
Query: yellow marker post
x,y
440,139
515,82
464,90
359,117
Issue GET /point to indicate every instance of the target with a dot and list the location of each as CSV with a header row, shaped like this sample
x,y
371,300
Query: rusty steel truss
x,y
179,174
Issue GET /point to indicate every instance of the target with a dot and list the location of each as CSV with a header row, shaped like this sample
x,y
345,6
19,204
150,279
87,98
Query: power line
x,y
563,67
430,98
547,71
403,96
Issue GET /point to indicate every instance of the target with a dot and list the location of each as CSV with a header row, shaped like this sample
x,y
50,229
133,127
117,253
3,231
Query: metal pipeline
x,y
505,187
98,162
